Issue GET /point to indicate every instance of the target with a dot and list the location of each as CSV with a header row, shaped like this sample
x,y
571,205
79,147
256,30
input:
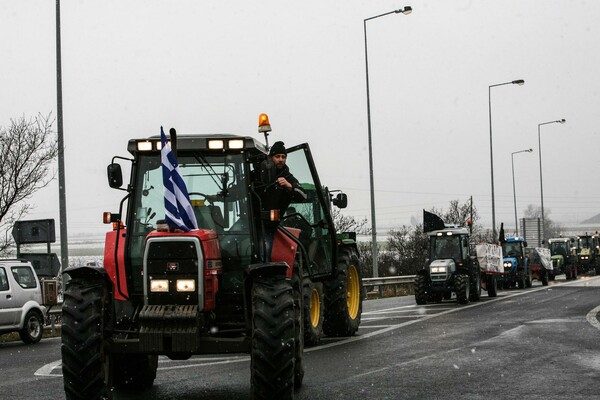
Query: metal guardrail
x,y
396,284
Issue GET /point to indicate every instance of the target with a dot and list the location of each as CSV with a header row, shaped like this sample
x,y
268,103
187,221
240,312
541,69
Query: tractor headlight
x,y
438,270
159,285
186,285
508,264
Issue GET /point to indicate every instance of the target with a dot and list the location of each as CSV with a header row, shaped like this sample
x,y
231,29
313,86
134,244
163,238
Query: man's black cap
x,y
277,148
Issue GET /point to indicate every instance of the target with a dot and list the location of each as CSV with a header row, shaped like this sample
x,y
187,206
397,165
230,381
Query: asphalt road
x,y
534,343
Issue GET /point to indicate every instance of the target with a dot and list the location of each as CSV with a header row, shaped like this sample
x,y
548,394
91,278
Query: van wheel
x,y
33,328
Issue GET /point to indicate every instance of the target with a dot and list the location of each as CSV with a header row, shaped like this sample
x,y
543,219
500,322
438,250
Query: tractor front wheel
x,y
313,312
421,284
84,365
273,333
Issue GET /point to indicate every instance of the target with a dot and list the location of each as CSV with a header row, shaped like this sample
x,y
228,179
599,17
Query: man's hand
x,y
284,183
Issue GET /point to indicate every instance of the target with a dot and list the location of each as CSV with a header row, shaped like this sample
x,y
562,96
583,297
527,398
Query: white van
x,y
21,308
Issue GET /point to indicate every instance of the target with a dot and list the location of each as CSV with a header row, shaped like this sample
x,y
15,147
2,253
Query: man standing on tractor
x,y
279,191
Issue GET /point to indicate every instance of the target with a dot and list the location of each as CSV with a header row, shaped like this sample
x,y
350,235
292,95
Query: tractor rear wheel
x,y
343,300
313,312
273,331
421,284
134,371
461,285
84,366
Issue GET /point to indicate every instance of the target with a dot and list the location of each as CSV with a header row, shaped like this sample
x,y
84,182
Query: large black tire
x,y
273,331
33,328
421,285
299,319
492,286
545,274
461,286
134,371
84,368
343,300
521,282
528,280
475,290
313,312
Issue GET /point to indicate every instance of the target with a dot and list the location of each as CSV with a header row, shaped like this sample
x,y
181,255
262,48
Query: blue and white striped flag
x,y
179,213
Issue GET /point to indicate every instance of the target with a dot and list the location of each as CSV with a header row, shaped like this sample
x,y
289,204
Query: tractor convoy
x,y
215,289
457,266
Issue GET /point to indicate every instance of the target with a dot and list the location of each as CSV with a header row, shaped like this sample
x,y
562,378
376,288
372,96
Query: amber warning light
x,y
263,123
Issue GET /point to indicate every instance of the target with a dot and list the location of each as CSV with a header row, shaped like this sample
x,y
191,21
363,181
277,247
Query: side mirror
x,y
525,244
341,200
115,176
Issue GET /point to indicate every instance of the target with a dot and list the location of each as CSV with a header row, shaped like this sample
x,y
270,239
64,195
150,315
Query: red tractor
x,y
211,290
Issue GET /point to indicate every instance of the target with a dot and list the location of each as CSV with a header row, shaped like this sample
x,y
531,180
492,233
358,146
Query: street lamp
x,y
519,82
62,197
512,159
406,10
560,121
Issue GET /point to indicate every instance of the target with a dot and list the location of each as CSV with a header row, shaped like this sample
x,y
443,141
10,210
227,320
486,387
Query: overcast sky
x,y
214,66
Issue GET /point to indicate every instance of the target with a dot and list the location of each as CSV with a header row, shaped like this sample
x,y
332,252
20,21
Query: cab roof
x,y
199,142
449,232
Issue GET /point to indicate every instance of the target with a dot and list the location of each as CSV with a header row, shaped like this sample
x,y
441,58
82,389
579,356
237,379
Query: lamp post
x,y
559,121
519,82
64,244
512,159
406,10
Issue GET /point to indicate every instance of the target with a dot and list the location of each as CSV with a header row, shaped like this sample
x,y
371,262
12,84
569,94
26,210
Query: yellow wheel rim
x,y
353,291
315,308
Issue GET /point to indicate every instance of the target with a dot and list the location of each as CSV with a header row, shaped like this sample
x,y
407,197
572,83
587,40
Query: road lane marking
x,y
591,317
46,370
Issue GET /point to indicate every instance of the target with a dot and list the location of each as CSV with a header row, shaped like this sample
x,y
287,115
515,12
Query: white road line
x,y
591,317
46,370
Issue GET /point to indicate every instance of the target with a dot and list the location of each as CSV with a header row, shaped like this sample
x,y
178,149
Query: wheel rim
x,y
353,292
33,326
315,308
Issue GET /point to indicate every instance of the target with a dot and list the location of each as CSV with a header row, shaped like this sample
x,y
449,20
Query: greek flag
x,y
179,213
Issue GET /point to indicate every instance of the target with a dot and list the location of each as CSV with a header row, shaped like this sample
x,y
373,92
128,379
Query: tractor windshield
x,y
584,242
559,248
444,247
216,185
511,249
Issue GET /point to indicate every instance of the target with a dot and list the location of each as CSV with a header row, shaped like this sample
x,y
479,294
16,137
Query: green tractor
x,y
588,247
563,257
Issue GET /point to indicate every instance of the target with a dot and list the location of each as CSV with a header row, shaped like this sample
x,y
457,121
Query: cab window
x,y
3,280
24,277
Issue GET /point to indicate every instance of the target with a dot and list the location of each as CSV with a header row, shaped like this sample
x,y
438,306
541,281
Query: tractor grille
x,y
172,260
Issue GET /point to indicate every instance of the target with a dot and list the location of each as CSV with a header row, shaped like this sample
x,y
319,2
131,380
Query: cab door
x,y
8,310
312,215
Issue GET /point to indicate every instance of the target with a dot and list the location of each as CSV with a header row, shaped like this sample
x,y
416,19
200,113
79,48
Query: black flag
x,y
432,222
501,237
